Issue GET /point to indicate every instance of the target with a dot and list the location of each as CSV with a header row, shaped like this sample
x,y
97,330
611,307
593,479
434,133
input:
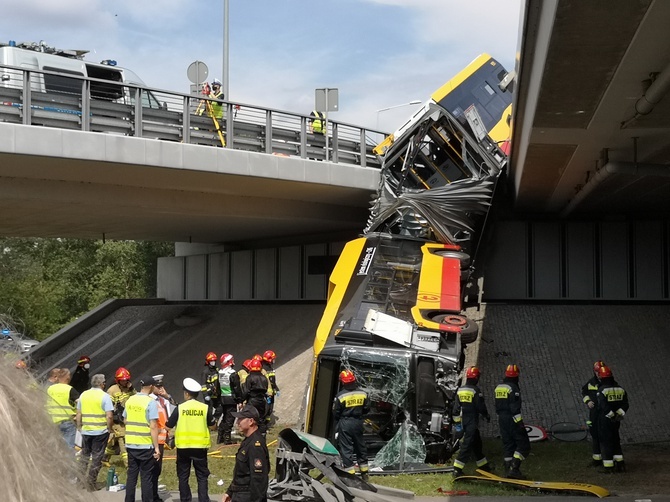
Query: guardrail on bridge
x,y
89,104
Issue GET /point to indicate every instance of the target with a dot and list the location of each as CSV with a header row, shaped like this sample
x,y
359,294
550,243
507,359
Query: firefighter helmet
x,y
472,372
512,371
121,374
21,364
604,372
269,356
347,376
211,356
255,365
226,360
246,363
257,357
597,365
83,360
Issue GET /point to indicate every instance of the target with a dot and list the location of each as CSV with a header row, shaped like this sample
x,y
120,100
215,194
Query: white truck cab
x,y
60,66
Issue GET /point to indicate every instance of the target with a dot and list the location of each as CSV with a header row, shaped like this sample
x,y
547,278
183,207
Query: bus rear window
x,y
60,84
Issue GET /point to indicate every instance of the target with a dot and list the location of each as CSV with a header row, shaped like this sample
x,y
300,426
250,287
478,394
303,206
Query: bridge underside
x,y
56,183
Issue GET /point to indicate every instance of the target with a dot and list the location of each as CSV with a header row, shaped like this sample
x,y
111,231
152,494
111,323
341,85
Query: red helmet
x,y
246,363
269,356
597,365
257,357
83,360
347,376
226,360
21,364
211,356
512,371
255,365
472,372
604,372
122,374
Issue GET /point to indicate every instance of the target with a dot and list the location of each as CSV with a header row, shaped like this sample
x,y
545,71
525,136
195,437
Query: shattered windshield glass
x,y
405,448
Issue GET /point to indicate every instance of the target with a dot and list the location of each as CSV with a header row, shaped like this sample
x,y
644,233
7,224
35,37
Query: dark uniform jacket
x,y
256,385
508,399
252,467
80,380
210,383
469,403
612,400
351,403
590,390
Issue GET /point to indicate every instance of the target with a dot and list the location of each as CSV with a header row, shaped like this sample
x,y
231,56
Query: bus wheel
x,y
451,320
469,332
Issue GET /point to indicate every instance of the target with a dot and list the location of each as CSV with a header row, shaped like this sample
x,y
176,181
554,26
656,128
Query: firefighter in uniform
x,y
120,392
349,407
589,392
81,380
516,445
252,462
211,391
242,374
191,421
612,407
256,391
229,385
468,406
141,418
269,358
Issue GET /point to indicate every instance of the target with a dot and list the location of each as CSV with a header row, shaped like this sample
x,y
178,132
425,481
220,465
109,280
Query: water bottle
x,y
116,478
111,474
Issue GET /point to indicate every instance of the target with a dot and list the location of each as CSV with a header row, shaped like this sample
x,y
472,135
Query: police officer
x,y
191,421
229,384
120,392
349,407
589,392
256,390
516,445
252,462
612,407
141,418
468,406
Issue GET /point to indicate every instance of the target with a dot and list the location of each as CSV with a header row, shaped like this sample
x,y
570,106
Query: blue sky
x,y
378,53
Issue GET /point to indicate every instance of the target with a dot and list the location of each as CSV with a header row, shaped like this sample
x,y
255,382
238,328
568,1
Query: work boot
x,y
365,476
220,438
514,470
620,466
457,472
487,467
606,470
227,439
508,466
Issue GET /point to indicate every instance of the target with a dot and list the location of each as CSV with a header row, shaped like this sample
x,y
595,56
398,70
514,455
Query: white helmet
x,y
216,81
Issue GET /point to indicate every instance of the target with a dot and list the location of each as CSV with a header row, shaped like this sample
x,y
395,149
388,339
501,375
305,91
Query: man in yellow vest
x,y
141,418
61,406
94,420
318,123
191,421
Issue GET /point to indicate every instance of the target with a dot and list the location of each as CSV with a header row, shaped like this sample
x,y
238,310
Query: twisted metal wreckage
x,y
438,177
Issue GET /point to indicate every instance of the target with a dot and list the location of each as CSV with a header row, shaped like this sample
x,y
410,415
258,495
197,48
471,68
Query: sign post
x,y
326,100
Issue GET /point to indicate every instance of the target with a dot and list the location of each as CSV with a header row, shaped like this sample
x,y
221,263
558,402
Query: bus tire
x,y
469,332
460,255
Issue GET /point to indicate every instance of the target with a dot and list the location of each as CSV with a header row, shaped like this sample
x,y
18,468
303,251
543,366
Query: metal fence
x,y
65,101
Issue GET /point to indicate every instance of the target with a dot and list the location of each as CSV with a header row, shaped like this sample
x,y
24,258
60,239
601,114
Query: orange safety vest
x,y
162,420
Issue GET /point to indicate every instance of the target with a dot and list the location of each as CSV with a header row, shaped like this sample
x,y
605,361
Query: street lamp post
x,y
226,51
413,102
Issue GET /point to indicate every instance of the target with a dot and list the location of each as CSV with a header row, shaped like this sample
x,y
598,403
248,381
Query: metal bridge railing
x,y
53,99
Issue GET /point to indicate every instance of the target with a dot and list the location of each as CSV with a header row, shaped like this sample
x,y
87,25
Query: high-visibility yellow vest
x,y
93,416
317,122
138,430
58,404
191,430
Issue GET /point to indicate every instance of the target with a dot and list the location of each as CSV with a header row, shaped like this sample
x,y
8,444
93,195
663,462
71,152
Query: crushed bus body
x,y
394,314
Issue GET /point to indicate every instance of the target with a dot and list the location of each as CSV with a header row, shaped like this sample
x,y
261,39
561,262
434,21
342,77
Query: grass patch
x,y
648,470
